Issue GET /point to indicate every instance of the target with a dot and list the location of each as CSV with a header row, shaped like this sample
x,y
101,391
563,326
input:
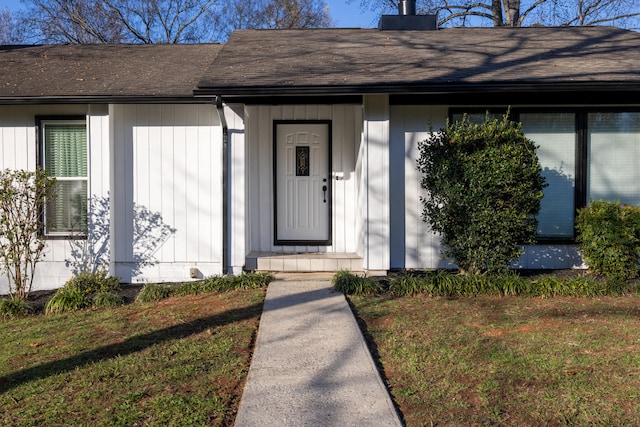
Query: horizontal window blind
x,y
555,135
66,150
65,158
613,157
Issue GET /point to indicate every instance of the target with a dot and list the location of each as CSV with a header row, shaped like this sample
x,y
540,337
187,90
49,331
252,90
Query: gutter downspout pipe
x,y
226,188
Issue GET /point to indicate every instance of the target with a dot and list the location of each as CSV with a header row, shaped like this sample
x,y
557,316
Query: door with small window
x,y
303,185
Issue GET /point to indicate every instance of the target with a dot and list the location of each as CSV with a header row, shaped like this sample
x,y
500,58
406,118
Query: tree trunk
x,y
512,12
496,11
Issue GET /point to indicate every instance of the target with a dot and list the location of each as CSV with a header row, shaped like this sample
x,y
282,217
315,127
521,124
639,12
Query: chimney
x,y
406,7
406,19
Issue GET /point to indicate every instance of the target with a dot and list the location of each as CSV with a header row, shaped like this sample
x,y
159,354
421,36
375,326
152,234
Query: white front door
x,y
303,185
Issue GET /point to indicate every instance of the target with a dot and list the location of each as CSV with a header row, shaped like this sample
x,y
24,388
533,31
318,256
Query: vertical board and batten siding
x,y
237,213
345,138
167,192
413,244
18,150
376,183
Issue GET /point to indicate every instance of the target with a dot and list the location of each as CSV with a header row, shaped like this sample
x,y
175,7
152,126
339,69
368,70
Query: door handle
x,y
324,193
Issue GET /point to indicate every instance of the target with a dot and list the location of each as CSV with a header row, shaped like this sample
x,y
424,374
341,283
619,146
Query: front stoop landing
x,y
303,262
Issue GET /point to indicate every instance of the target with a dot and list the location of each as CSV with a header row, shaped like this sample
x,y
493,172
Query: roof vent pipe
x,y
406,7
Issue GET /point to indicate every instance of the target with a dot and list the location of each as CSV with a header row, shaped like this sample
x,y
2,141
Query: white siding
x,y
413,244
376,181
346,134
237,209
18,151
167,192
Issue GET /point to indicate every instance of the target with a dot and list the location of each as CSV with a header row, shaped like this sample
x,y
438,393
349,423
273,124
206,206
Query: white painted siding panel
x,y
375,174
18,151
414,245
170,196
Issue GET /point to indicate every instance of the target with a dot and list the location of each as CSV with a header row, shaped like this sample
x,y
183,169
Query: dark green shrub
x,y
484,185
609,238
406,285
13,308
92,283
68,298
231,282
152,292
106,299
81,291
352,284
189,288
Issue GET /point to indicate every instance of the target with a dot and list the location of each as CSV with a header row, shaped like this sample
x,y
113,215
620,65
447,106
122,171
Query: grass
x,y
468,361
507,361
180,361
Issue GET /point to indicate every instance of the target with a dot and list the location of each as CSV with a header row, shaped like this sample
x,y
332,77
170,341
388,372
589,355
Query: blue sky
x,y
346,14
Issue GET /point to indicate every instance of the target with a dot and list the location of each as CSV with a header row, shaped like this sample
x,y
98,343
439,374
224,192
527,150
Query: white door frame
x,y
326,182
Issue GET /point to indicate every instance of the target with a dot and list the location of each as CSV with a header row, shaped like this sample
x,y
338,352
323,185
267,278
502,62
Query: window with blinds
x,y
64,156
585,155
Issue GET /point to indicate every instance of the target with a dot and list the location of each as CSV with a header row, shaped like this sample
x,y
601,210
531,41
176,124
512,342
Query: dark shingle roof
x,y
96,71
369,60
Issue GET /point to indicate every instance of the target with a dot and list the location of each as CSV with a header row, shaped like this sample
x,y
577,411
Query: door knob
x,y
324,193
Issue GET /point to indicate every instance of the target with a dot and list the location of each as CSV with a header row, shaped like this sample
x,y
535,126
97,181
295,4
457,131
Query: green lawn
x,y
508,361
482,361
181,361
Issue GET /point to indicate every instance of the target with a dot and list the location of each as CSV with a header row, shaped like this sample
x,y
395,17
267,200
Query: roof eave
x,y
104,99
426,89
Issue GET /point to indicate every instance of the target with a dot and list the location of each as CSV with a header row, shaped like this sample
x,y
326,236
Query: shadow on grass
x,y
373,349
131,345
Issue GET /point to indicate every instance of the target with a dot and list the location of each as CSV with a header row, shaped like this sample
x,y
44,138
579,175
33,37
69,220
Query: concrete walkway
x,y
311,365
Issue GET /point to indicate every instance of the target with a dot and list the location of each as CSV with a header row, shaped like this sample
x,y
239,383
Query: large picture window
x,y
63,144
585,155
555,136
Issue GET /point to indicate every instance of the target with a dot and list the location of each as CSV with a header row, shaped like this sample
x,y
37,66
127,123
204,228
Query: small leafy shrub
x,y
152,292
609,238
85,290
407,284
14,308
484,185
92,283
231,282
545,287
443,283
352,284
156,292
22,195
68,298
107,299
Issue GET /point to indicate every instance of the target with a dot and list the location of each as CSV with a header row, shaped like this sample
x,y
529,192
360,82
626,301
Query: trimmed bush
x,y
92,283
107,299
443,283
155,292
85,290
68,298
14,308
152,292
351,284
609,238
484,185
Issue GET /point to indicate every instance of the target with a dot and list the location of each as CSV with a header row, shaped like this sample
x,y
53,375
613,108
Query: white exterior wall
x,y
236,176
18,151
166,192
375,180
346,136
413,244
